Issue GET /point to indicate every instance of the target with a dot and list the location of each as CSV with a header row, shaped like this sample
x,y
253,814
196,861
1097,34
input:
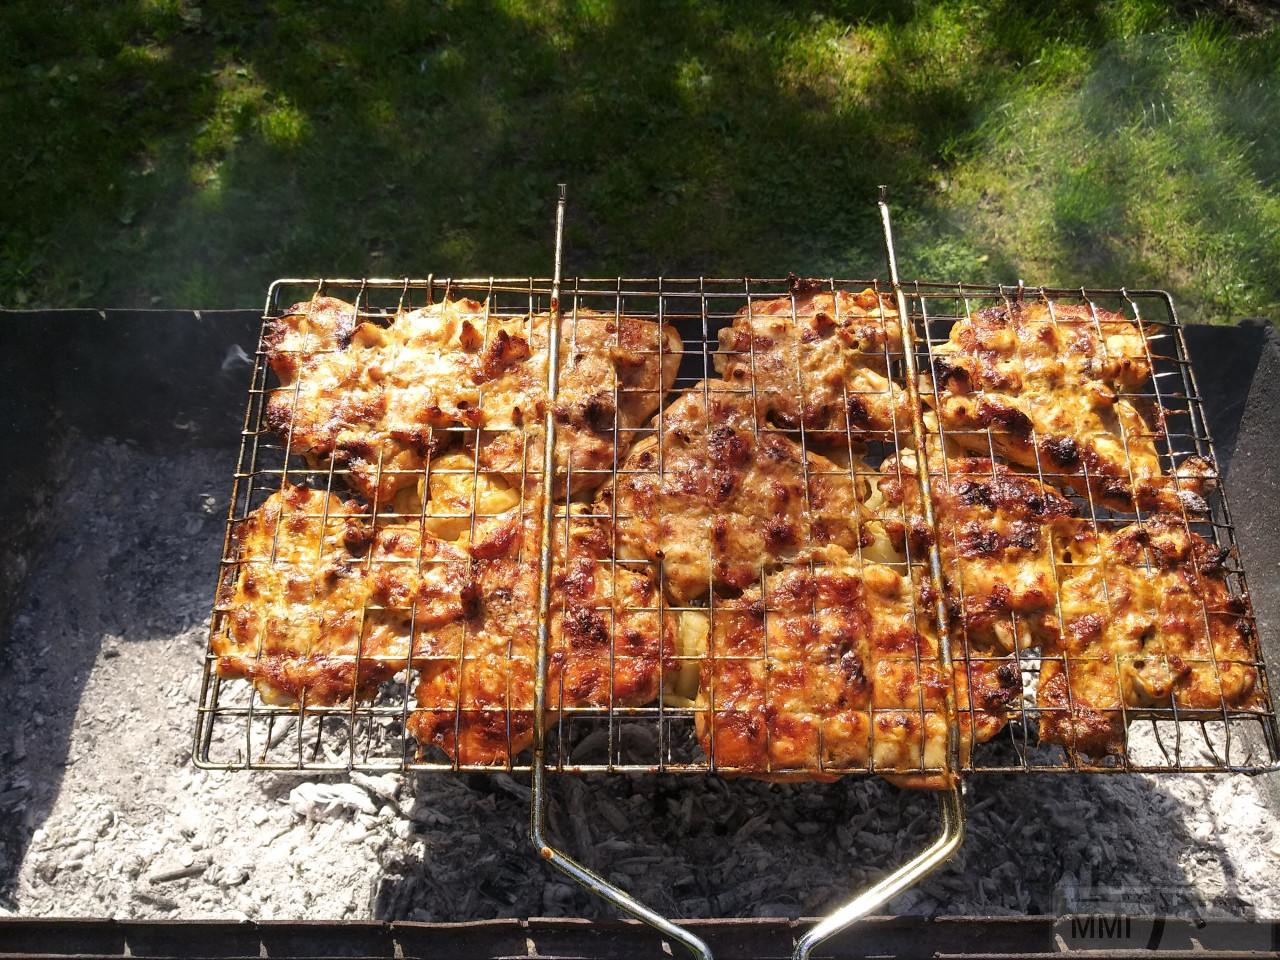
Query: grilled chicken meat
x,y
818,359
812,660
1149,621
614,373
303,601
1050,383
838,668
321,605
717,496
608,646
379,400
998,530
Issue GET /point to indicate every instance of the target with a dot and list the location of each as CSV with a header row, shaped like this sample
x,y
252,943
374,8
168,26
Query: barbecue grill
x,y
237,729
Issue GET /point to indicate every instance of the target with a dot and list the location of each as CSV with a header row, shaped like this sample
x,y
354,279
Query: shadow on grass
x,y
181,157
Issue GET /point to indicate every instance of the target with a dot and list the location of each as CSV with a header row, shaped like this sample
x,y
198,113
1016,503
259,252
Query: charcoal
x,y
277,845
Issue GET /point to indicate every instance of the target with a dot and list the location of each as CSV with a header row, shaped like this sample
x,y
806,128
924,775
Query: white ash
x,y
103,815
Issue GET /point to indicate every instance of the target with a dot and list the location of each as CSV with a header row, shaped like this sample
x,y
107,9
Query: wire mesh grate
x,y
734,670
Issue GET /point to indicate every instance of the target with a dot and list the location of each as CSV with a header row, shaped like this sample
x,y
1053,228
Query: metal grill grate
x,y
237,728
1155,738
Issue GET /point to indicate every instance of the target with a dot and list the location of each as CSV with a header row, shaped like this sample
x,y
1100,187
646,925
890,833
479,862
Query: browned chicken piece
x,y
1049,384
301,601
377,399
608,648
838,670
818,359
1149,621
321,606
613,376
998,530
716,497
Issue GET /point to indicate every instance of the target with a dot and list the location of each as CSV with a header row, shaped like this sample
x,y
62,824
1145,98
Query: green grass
x,y
171,154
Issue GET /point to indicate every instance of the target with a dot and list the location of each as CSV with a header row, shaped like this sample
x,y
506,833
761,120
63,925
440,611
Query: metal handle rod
x,y
951,807
538,811
597,884
920,436
950,802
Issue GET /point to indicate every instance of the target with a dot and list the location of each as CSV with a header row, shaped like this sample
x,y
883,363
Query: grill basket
x,y
237,729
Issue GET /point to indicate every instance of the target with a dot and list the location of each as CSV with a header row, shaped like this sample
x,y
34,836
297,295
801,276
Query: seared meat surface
x,y
1148,621
837,668
608,646
717,496
307,611
323,604
998,532
804,639
1050,385
380,400
818,359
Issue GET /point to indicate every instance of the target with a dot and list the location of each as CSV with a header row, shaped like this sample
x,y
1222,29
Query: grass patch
x,y
1156,164
167,153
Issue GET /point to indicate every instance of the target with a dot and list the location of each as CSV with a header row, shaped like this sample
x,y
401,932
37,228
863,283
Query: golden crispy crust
x,y
998,530
607,647
375,398
1149,621
613,376
818,359
300,600
838,667
324,608
723,496
1048,385
816,663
